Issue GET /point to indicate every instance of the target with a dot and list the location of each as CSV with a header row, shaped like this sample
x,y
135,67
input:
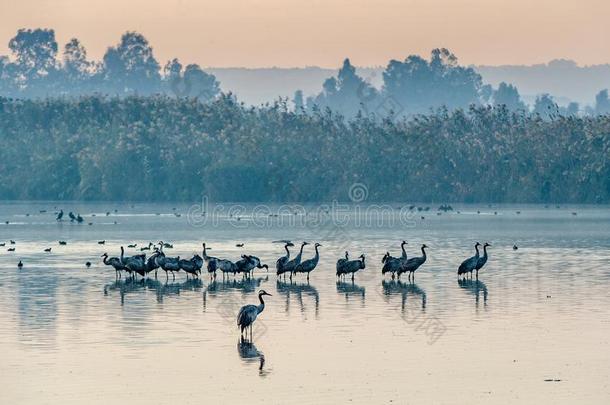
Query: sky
x,y
293,33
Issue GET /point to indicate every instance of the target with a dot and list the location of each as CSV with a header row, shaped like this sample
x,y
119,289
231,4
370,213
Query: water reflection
x,y
475,287
132,286
351,289
395,287
37,308
289,289
250,354
220,288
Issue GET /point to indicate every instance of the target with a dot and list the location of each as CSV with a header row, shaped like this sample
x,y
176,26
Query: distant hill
x,y
563,79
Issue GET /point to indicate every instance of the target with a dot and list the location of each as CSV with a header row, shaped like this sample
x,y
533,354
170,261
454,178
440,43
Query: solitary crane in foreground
x,y
309,265
482,260
248,313
469,264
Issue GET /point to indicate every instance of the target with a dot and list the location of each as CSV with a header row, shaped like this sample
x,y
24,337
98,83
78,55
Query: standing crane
x,y
248,313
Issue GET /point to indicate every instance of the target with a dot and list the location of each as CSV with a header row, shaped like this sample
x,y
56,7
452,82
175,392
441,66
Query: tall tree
x,y
76,67
35,64
508,95
419,85
348,93
130,67
546,107
602,103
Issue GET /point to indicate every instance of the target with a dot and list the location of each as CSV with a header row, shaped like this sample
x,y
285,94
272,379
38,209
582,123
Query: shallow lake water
x,y
535,327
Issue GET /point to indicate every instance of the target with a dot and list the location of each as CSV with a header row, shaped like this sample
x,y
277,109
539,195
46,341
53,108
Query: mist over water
x,y
533,328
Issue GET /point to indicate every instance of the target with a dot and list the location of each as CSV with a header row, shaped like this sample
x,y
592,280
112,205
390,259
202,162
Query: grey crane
x,y
280,264
248,263
248,313
60,215
292,264
482,260
114,262
191,266
413,264
351,267
210,261
390,264
469,264
341,262
171,264
309,265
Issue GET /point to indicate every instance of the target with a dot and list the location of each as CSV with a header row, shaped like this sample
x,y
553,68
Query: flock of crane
x,y
395,266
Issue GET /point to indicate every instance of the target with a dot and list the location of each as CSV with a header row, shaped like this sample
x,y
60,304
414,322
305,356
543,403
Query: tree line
x,y
38,68
160,148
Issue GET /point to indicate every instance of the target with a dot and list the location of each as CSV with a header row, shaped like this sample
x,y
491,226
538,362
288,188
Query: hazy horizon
x,y
296,34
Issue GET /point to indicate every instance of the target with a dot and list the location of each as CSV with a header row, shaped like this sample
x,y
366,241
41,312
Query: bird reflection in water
x,y
250,354
131,286
405,290
475,287
351,289
224,287
298,290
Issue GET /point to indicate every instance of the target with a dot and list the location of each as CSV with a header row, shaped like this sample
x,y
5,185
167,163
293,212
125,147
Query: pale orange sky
x,y
287,33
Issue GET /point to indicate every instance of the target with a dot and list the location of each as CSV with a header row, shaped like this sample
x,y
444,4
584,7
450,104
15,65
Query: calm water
x,y
535,328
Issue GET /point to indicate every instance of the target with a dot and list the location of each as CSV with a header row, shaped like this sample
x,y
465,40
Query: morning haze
x,y
287,33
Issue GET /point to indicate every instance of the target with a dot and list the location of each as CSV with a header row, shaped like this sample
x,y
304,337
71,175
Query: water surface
x,y
534,328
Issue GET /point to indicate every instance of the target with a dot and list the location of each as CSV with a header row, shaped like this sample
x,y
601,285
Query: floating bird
x,y
482,260
47,250
60,215
88,264
2,244
132,245
12,242
413,264
11,249
309,265
515,247
280,264
101,242
79,219
63,242
248,313
72,216
20,264
143,248
351,267
469,264
239,245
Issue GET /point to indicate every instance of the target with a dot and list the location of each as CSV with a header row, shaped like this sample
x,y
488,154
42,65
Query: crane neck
x,y
287,251
261,307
